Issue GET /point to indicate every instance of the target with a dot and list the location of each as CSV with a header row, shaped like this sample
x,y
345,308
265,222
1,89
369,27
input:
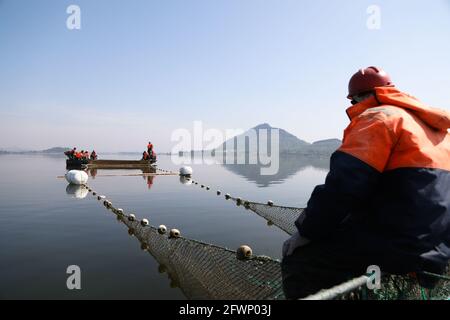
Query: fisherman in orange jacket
x,y
149,148
386,198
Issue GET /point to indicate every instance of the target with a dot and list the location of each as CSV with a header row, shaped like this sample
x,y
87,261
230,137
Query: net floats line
x,y
239,201
244,252
133,175
266,210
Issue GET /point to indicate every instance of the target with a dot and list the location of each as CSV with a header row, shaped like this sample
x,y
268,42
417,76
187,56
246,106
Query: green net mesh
x,y
393,287
206,271
282,217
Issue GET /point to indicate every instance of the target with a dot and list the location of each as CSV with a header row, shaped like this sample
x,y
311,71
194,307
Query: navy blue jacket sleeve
x,y
347,189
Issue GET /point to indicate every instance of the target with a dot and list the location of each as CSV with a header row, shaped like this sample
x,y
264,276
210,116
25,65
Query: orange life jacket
x,y
402,132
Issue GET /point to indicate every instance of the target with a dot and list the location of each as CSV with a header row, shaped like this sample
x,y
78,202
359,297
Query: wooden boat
x,y
109,164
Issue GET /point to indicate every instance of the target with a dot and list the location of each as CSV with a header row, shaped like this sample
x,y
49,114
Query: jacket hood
x,y
436,118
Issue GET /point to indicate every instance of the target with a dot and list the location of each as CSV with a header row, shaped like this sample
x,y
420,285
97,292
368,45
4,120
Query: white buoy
x,y
244,252
270,203
131,217
144,222
162,229
174,233
77,177
119,211
186,171
227,196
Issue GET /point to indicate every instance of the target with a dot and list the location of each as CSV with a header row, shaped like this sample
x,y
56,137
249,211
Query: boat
x,y
109,164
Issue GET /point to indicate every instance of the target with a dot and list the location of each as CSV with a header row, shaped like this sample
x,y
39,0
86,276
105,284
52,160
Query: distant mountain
x,y
328,142
288,143
54,150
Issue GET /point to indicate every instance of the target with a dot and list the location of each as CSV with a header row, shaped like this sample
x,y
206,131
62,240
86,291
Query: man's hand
x,y
294,242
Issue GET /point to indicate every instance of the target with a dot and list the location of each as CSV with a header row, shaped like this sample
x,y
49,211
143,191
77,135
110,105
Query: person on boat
x,y
153,156
93,155
86,155
386,198
145,156
78,155
71,153
149,148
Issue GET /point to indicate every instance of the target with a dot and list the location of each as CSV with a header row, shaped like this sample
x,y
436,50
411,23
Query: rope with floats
x,y
349,290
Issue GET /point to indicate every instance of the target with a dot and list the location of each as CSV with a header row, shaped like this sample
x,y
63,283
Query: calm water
x,y
44,227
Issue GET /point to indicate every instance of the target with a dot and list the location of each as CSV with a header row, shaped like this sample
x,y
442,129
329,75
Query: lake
x,y
46,225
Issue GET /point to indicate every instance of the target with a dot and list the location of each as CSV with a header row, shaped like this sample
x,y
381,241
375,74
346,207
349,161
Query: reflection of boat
x,y
109,164
77,191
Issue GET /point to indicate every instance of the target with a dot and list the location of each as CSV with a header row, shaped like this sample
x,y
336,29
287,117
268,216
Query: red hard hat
x,y
366,79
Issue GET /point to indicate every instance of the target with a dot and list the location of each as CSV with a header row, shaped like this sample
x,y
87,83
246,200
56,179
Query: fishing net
x,y
394,287
206,271
282,217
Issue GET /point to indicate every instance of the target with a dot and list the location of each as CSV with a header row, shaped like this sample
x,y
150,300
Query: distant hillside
x,y
328,142
288,143
54,150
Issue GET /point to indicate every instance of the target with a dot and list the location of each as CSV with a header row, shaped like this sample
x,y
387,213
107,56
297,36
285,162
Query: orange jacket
x,y
386,197
395,130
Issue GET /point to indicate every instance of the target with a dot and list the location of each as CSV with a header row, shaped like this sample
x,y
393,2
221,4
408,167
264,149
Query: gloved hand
x,y
294,242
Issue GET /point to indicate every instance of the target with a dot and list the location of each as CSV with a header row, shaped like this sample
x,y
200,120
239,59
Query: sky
x,y
139,70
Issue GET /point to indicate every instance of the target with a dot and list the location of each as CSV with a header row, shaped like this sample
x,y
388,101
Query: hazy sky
x,y
138,70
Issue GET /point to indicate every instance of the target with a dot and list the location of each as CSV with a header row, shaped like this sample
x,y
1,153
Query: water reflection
x,y
77,191
92,172
289,165
185,180
149,179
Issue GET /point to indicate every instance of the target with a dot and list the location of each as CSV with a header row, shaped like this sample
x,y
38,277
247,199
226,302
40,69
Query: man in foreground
x,y
386,199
